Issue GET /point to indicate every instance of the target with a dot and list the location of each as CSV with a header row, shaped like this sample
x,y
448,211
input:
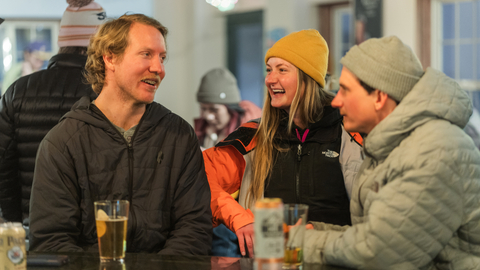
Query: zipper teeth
x,y
130,156
297,184
132,218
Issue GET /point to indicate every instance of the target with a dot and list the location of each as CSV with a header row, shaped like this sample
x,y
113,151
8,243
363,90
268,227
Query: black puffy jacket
x,y
85,158
28,110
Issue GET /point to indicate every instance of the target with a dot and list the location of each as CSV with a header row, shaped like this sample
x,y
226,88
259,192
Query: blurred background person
x,y
34,57
221,108
33,104
221,112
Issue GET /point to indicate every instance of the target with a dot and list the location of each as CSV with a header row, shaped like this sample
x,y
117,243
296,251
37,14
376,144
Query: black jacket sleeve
x,y
54,206
191,213
10,186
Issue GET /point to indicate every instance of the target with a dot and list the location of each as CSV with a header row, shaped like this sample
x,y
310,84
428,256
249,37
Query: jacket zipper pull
x,y
299,153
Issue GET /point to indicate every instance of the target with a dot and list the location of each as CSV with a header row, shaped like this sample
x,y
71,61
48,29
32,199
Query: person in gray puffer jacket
x,y
415,203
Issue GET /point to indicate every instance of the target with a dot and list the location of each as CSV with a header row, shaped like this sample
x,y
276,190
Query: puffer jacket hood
x,y
80,111
431,98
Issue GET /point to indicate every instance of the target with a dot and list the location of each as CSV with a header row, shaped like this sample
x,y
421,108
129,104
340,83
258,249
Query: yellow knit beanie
x,y
305,49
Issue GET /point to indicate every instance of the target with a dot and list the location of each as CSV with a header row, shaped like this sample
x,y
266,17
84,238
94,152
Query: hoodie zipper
x,y
299,159
130,186
131,217
297,175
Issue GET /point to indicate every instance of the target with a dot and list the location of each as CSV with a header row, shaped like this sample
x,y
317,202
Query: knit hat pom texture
x,y
386,64
79,22
78,3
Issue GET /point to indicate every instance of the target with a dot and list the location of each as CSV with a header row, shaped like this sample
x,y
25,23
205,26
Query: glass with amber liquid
x,y
111,219
295,217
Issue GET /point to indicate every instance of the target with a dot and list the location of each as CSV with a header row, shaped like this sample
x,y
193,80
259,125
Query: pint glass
x,y
111,219
295,217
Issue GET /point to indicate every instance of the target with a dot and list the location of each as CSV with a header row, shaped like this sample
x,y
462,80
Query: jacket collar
x,y
68,60
324,130
82,110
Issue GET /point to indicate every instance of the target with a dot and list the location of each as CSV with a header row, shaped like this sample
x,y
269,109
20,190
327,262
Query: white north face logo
x,y
330,154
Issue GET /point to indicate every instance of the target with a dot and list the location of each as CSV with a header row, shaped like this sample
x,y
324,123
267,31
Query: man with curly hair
x,y
123,146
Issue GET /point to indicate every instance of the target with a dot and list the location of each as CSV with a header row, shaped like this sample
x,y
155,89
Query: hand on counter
x,y
245,236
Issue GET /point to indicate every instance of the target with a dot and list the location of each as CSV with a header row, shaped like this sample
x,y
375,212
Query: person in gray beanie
x,y
415,202
221,108
221,112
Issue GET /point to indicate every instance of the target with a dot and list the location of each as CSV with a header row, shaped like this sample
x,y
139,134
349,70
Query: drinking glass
x,y
295,218
111,219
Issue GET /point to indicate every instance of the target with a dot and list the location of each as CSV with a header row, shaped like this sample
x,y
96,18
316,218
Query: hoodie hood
x,y
83,110
434,97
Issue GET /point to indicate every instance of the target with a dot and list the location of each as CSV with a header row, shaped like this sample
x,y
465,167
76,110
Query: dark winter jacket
x,y
85,158
28,110
310,172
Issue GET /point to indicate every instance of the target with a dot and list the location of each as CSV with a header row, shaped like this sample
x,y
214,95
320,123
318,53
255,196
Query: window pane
x,y
466,61
448,21
249,70
478,63
23,39
346,27
475,96
45,35
449,60
477,4
466,19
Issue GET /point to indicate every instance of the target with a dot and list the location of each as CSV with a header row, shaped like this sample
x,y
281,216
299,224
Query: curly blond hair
x,y
112,39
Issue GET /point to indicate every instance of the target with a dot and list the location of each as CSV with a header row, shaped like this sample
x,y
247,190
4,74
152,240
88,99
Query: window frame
x,y
9,28
437,43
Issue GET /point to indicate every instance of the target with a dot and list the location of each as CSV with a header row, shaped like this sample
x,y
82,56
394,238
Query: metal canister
x,y
268,230
13,255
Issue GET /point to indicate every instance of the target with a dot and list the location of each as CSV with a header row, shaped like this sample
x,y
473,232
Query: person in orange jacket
x,y
221,112
298,151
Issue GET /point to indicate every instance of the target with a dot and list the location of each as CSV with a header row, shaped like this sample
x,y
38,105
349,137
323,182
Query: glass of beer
x,y
295,218
111,219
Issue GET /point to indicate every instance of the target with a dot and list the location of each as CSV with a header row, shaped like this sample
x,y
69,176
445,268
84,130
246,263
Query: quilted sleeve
x,y
225,167
10,186
322,226
408,221
55,214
